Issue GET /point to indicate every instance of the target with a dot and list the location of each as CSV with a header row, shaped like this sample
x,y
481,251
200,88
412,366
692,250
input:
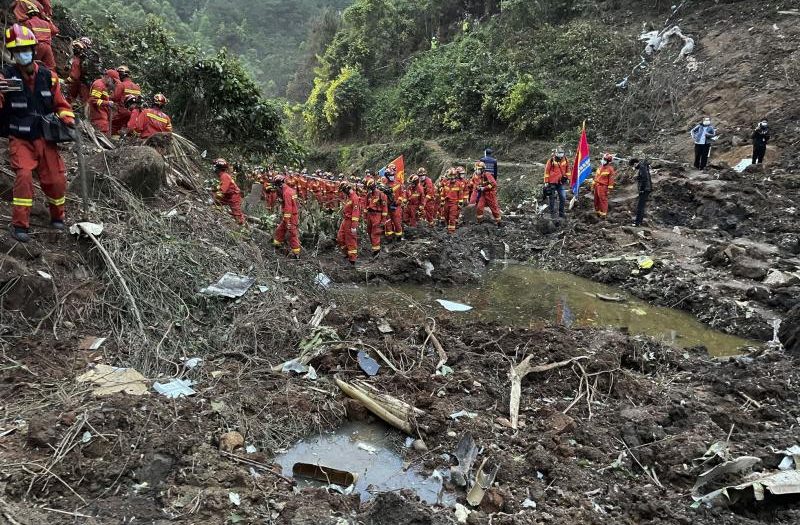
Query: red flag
x,y
582,167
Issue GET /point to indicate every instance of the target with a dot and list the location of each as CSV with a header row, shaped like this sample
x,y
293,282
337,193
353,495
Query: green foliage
x,y
344,100
269,35
213,98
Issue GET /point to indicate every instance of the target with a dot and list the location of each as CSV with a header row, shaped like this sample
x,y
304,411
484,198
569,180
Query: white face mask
x,y
24,58
603,162
706,122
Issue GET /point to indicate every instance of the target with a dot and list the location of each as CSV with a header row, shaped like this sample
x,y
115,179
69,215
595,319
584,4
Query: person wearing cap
x,y
760,140
154,120
556,177
21,112
490,162
100,103
126,86
78,80
702,134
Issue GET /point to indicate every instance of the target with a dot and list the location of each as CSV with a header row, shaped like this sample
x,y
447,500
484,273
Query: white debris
x,y
86,227
235,498
451,306
367,448
322,280
175,388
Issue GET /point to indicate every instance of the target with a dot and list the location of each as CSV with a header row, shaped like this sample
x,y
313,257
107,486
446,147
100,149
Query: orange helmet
x,y
159,99
370,183
32,10
480,165
130,100
220,163
18,36
414,179
123,71
608,157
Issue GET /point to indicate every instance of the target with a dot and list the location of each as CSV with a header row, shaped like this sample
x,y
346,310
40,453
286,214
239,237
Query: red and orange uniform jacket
x,y
555,169
152,121
351,211
605,176
44,30
227,186
290,210
453,191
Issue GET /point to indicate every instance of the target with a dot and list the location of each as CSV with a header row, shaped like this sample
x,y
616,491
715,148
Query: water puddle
x,y
523,296
373,453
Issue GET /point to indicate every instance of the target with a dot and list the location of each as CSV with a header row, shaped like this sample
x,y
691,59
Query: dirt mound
x,y
789,332
140,169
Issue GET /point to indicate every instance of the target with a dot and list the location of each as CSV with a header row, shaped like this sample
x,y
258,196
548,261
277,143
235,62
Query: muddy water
x,y
373,452
523,296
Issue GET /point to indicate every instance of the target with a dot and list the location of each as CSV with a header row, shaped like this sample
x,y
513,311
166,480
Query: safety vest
x,y
22,111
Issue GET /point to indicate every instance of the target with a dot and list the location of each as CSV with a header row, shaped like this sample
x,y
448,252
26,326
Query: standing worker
x,y
556,176
290,217
760,139
126,86
394,189
429,196
228,193
414,197
44,30
100,103
602,185
702,134
484,193
490,161
154,120
21,119
645,183
377,206
347,237
452,199
78,81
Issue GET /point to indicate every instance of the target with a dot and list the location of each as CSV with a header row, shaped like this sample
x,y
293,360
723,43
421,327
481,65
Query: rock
x,y
636,415
419,445
749,269
41,432
790,242
758,293
462,513
558,423
493,501
778,278
141,169
230,441
457,477
789,333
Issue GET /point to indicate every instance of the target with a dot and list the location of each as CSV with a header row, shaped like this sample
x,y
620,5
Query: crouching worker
x,y
228,193
31,103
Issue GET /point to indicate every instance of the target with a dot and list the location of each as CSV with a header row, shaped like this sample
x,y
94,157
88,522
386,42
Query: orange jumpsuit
x,y
394,222
290,220
230,195
123,88
453,198
44,30
414,197
377,207
21,8
429,199
351,215
78,88
603,183
100,107
29,151
152,121
484,193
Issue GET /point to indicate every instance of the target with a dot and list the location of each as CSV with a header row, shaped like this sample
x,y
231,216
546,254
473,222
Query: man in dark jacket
x,y
645,183
760,139
490,161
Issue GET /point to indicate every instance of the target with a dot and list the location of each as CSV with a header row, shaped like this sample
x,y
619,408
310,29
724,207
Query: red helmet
x,y
19,36
220,163
608,157
159,99
130,100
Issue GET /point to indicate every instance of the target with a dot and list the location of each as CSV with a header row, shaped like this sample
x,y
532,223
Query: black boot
x,y
57,225
20,234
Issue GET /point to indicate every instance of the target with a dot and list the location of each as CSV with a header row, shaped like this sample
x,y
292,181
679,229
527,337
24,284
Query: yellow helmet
x,y
19,36
480,165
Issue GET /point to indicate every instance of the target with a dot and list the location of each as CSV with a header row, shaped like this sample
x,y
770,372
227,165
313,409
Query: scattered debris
x,y
428,267
644,262
44,275
91,343
462,513
484,478
250,449
192,363
229,285
463,413
450,306
419,445
384,327
367,448
324,474
322,280
777,484
743,164
528,504
175,388
87,228
610,298
390,409
368,364
519,372
111,380
791,458
466,453
234,498
734,466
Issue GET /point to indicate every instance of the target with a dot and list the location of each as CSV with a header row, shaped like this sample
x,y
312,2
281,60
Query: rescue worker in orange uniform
x,y
484,193
453,199
44,30
126,86
100,103
602,185
21,120
133,104
22,7
154,120
394,188
428,196
228,193
377,208
78,81
556,176
414,200
347,237
290,217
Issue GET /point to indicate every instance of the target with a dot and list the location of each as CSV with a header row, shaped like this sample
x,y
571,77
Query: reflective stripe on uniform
x,y
57,202
132,92
156,117
22,202
66,113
